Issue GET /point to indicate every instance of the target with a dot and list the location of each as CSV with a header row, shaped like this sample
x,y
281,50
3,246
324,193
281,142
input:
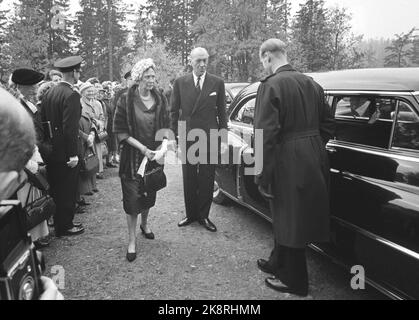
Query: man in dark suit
x,y
61,106
297,123
198,99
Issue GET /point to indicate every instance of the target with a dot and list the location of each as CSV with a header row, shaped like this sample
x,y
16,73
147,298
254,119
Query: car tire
x,y
218,196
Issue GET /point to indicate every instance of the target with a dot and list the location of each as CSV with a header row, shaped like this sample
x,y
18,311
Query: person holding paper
x,y
140,113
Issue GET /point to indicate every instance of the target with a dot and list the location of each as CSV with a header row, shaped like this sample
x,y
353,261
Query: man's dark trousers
x,y
290,266
198,184
64,185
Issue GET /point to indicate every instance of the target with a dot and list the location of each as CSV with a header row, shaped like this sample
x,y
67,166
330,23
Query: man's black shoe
x,y
71,232
111,165
77,224
208,225
278,285
83,202
80,210
264,266
185,222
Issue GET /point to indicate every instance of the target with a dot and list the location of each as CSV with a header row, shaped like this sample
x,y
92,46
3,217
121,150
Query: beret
x,y
68,64
26,77
127,75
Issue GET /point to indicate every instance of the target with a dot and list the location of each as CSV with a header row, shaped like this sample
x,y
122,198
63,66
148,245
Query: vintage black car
x,y
374,161
232,89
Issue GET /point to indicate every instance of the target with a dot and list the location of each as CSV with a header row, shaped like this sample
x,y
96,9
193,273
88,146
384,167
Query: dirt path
x,y
181,263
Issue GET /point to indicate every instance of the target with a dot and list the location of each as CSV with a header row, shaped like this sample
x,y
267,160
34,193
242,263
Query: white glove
x,y
161,152
73,162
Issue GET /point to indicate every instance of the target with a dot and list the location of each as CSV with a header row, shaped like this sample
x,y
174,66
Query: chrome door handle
x,y
331,149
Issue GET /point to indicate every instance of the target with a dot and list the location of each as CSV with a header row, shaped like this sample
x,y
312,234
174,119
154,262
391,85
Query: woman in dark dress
x,y
140,113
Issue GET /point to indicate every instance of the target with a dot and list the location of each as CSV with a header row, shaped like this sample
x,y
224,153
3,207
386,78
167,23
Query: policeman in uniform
x,y
61,106
297,123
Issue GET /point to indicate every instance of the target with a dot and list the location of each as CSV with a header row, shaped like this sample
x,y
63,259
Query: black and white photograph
x,y
209,157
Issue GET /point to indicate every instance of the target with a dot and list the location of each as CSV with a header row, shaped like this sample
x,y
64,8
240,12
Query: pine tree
x,y
27,41
142,29
4,58
85,30
59,39
114,37
339,28
232,32
277,16
415,51
101,37
171,23
400,51
311,37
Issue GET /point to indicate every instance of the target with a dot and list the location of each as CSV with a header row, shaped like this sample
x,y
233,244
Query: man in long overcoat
x,y
297,123
62,108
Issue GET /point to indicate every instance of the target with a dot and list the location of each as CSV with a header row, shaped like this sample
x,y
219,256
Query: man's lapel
x,y
207,86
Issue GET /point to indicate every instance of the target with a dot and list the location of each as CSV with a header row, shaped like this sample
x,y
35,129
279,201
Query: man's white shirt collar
x,y
195,79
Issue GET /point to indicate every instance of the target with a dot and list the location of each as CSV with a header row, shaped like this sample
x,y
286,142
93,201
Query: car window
x,y
236,90
365,120
353,107
406,132
245,112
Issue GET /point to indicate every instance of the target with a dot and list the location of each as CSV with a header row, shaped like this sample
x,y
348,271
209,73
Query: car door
x,y
367,197
242,124
239,139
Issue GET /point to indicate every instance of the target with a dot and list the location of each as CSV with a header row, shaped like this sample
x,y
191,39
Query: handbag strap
x,y
27,203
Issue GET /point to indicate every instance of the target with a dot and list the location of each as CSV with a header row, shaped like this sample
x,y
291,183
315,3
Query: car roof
x,y
380,79
384,79
250,89
236,84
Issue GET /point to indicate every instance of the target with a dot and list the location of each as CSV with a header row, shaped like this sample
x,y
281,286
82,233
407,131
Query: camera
x,y
21,266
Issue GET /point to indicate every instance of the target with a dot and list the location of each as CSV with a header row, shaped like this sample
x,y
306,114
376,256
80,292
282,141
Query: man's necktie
x,y
198,85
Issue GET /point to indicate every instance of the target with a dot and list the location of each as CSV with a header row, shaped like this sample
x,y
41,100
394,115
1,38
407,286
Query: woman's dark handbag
x,y
42,208
101,136
90,162
38,179
154,177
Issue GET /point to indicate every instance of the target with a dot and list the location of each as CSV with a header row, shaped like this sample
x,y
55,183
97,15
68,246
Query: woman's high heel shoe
x,y
149,235
131,256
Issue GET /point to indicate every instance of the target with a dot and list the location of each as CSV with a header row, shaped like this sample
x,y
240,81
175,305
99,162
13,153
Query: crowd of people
x,y
84,127
98,103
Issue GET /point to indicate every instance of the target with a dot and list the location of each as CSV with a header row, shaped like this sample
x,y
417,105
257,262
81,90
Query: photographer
x,y
17,146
